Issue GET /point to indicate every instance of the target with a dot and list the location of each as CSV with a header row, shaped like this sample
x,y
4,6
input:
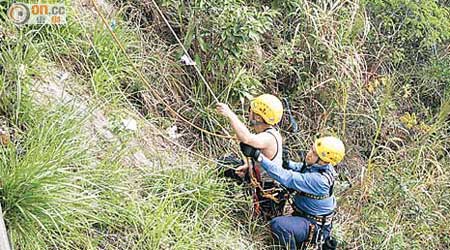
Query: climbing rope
x,y
185,50
155,93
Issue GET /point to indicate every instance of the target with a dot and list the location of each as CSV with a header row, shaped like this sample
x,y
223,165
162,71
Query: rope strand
x,y
155,93
185,51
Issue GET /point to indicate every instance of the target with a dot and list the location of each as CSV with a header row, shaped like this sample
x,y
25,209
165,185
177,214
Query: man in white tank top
x,y
265,112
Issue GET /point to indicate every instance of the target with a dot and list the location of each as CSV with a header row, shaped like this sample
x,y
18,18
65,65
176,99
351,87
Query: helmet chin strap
x,y
317,161
314,163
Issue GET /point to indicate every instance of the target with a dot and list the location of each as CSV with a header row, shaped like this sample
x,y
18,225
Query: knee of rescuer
x,y
275,225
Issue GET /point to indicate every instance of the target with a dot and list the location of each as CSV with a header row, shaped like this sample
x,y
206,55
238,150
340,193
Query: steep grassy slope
x,y
77,175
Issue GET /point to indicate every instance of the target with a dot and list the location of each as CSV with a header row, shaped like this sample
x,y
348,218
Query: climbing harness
x,y
320,221
315,236
255,181
330,178
269,202
255,186
269,190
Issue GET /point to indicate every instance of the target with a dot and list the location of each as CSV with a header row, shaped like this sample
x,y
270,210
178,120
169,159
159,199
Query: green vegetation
x,y
375,73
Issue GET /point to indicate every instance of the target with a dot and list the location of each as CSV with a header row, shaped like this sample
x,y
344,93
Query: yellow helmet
x,y
269,107
330,149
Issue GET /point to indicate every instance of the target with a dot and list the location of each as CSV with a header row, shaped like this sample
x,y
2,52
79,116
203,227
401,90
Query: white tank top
x,y
277,159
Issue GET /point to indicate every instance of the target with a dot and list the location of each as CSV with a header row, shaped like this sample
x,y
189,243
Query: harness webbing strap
x,y
319,219
312,228
255,181
330,180
313,196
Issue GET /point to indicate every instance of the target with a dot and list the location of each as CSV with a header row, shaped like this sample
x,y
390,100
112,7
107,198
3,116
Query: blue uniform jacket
x,y
311,181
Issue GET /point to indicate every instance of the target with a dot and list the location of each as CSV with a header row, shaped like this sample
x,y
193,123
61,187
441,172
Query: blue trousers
x,y
291,231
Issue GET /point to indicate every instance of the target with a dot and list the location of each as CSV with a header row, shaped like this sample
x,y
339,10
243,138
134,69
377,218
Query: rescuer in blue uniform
x,y
311,183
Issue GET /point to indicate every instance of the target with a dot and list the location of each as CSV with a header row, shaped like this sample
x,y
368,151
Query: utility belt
x,y
324,220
